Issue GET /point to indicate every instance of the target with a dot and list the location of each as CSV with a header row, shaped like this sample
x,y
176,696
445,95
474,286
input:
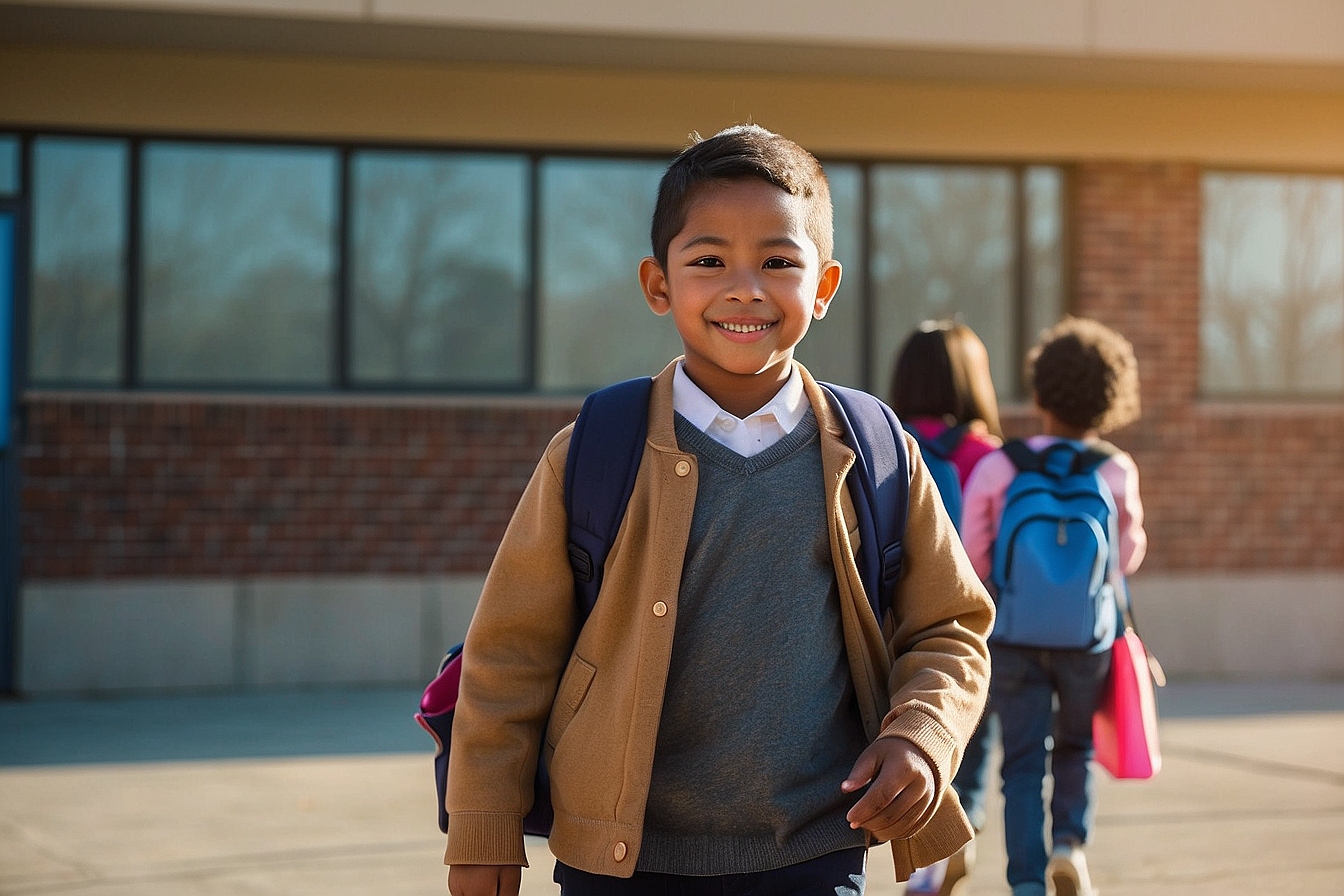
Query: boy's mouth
x,y
744,328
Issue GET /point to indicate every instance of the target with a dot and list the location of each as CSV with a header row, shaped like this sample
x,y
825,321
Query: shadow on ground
x,y
233,726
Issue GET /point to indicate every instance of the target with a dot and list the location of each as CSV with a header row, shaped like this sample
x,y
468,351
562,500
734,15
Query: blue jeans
x,y
834,874
1039,694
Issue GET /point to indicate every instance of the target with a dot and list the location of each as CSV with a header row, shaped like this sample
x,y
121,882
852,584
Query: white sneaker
x,y
941,878
1067,871
927,881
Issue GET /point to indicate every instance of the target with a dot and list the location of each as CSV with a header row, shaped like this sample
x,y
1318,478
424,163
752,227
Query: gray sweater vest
x,y
759,723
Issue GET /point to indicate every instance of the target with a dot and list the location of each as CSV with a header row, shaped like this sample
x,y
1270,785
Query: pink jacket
x,y
982,506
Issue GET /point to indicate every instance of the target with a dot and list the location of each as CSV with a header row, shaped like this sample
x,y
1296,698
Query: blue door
x,y
9,462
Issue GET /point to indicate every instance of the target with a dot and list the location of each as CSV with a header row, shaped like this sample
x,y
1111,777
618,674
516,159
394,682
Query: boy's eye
x,y
709,261
777,263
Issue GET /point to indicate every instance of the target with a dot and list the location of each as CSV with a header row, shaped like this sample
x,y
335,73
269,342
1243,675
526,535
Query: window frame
x,y
342,381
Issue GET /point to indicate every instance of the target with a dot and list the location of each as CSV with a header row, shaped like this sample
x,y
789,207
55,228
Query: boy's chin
x,y
752,368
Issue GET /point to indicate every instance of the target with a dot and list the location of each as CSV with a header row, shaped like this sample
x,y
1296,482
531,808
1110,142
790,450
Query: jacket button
x,y
660,609
619,851
683,468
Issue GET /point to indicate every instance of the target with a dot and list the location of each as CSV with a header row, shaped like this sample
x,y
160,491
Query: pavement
x,y
330,792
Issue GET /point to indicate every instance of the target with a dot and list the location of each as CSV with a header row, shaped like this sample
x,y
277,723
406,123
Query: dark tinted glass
x,y
239,260
10,177
78,261
832,350
595,327
439,269
943,246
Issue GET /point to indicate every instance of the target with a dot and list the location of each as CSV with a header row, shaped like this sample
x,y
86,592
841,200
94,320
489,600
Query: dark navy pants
x,y
834,874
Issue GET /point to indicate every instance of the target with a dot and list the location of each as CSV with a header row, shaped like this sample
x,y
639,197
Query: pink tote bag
x,y
1124,727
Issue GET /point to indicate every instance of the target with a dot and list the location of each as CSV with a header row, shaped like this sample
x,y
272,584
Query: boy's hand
x,y
485,880
902,789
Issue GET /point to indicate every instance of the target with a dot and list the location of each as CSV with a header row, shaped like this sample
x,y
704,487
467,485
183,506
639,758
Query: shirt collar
x,y
788,407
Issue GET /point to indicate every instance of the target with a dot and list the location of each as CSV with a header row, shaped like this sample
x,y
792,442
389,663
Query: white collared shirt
x,y
748,437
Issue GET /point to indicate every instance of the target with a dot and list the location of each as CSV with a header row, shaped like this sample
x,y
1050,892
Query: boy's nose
x,y
746,289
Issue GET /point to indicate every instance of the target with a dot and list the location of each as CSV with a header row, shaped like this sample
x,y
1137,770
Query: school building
x,y
293,292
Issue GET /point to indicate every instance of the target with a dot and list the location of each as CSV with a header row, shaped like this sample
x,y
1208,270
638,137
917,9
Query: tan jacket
x,y
595,709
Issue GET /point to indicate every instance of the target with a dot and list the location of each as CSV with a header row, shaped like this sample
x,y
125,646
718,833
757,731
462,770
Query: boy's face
x,y
743,283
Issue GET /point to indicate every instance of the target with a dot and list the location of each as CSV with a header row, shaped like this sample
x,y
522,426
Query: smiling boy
x,y
711,724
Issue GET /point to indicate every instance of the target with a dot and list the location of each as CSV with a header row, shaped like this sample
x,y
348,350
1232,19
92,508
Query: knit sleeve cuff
x,y
932,739
485,838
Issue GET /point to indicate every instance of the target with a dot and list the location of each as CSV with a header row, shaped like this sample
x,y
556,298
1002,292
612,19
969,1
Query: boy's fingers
x,y
897,816
865,769
879,795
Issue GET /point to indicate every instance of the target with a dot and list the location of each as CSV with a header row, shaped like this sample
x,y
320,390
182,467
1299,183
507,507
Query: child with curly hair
x,y
1085,382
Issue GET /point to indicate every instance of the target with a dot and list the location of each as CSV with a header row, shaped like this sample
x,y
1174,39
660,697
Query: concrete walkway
x,y
330,793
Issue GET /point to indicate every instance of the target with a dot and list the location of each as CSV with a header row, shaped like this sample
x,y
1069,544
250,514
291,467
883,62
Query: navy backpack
x,y
1056,556
937,456
605,450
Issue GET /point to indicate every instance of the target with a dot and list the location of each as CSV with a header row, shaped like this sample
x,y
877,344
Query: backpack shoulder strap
x,y
1022,457
880,487
1095,455
948,440
605,450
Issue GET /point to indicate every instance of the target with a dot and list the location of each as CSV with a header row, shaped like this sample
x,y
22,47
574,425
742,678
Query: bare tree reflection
x,y
239,265
594,230
1273,301
438,262
943,247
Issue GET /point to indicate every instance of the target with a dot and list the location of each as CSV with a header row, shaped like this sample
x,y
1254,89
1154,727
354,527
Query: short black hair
x,y
1086,375
743,151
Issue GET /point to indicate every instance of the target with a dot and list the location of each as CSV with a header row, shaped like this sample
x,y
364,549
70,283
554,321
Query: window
x,y
10,177
239,265
943,246
439,270
594,326
1272,305
78,261
227,265
833,350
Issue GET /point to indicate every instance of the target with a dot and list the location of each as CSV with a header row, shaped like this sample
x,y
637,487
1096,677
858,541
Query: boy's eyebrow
x,y
711,240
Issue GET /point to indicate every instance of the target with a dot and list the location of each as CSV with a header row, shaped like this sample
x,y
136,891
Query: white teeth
x,y
744,328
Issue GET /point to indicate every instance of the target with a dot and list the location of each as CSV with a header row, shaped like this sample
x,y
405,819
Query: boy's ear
x,y
653,280
827,286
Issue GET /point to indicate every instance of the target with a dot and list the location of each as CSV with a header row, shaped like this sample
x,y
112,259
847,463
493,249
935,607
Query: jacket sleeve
x,y
982,507
943,614
1122,476
519,639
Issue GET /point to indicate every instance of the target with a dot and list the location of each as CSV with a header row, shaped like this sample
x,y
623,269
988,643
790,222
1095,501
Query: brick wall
x,y
1227,486
120,488
143,487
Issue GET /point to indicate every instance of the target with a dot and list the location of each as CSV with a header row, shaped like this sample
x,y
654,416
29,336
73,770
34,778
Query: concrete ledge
x,y
222,634
117,636
1253,625
159,636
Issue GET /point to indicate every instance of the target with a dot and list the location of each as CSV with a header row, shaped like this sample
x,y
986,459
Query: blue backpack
x,y
1057,552
937,455
605,450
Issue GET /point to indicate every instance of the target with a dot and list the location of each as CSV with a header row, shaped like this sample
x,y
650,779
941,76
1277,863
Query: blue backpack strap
x,y
880,487
605,450
948,440
1084,461
1023,458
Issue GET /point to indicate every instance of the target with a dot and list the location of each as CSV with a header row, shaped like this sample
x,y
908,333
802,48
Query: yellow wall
x,y
272,96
